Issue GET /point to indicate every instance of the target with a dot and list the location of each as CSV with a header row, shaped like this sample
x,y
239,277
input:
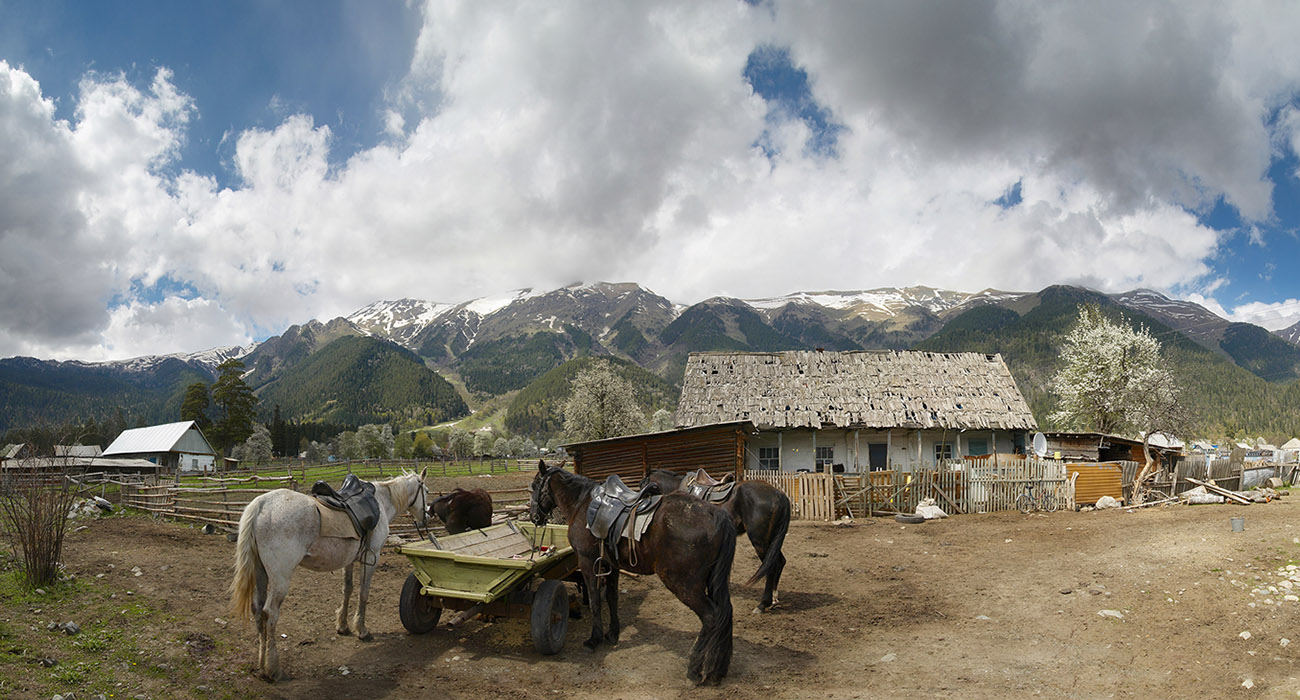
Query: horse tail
x,y
717,641
778,525
247,562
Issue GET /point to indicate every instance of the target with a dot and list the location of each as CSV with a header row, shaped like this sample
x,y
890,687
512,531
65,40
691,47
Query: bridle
x,y
543,491
421,495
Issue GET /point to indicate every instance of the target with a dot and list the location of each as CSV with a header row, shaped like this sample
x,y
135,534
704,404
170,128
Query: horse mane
x,y
388,483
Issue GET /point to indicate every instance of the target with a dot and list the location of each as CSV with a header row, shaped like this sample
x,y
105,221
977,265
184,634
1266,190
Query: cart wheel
x,y
419,614
550,617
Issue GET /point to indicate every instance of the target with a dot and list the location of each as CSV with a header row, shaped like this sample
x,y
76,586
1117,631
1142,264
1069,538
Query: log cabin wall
x,y
719,449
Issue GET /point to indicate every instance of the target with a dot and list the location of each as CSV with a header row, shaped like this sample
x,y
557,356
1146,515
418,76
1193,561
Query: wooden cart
x,y
509,570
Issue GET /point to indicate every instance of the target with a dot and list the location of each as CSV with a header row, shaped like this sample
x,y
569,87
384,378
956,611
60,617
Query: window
x,y
942,452
769,458
977,447
825,455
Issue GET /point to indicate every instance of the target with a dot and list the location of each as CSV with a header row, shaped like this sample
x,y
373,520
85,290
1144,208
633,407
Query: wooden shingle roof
x,y
889,389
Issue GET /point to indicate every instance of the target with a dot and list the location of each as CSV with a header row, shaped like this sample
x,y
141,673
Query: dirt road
x,y
978,606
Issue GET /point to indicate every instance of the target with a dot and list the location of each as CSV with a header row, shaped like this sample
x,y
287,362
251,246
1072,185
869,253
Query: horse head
x,y
543,501
418,506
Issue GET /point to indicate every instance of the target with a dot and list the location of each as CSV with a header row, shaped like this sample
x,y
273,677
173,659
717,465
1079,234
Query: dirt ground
x,y
976,606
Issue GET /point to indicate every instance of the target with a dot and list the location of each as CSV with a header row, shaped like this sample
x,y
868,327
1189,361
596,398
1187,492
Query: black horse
x,y
689,546
463,510
763,512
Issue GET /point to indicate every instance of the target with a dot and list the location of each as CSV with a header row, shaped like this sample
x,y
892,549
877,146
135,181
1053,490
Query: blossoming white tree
x,y
1116,381
601,405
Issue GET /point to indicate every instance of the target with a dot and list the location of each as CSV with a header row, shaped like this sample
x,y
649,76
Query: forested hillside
x,y
505,364
1230,400
36,392
537,408
360,379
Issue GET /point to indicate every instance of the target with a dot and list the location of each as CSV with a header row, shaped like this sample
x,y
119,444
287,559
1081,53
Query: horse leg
x,y
342,625
259,614
276,591
611,597
692,593
593,603
773,577
359,620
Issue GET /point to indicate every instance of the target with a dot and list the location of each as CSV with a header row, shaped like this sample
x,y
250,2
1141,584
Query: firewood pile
x,y
1209,492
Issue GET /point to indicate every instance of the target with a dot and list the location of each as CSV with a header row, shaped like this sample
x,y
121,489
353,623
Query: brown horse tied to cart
x,y
689,545
759,510
463,510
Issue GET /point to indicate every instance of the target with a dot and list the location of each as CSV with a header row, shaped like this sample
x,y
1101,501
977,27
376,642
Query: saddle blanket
x,y
638,524
335,523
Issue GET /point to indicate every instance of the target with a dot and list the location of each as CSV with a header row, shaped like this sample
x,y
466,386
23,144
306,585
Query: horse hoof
x,y
590,644
759,610
344,632
366,637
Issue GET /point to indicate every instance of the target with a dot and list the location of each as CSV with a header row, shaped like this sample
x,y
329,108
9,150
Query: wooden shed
x,y
718,448
1097,479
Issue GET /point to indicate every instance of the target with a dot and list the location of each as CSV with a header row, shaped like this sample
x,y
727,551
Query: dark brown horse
x,y
689,546
463,510
763,512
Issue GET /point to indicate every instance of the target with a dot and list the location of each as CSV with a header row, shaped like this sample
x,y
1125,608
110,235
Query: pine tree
x,y
236,403
195,405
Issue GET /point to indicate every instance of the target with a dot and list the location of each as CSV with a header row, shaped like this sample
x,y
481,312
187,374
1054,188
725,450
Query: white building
x,y
173,446
858,411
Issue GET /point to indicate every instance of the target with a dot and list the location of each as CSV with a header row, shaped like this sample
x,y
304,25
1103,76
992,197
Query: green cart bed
x,y
508,570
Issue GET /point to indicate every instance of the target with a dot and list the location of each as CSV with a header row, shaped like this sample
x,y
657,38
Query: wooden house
x,y
857,411
718,449
175,446
1102,447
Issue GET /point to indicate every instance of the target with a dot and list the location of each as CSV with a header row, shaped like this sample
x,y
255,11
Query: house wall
x,y
192,442
852,447
190,462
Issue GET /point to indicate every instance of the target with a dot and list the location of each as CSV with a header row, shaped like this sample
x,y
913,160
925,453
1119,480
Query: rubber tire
x,y
1024,503
419,614
909,519
1053,504
550,617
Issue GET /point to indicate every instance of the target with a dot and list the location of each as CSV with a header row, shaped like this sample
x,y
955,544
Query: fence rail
x,y
220,500
969,486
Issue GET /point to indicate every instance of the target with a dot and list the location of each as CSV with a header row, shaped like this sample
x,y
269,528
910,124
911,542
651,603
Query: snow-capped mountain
x,y
397,320
208,358
1290,334
1195,321
886,302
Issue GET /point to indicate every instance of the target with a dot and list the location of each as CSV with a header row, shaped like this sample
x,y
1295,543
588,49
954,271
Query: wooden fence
x,y
970,486
220,501
812,496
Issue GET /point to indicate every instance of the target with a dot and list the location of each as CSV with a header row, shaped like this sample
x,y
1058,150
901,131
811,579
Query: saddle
x,y
706,488
612,506
354,497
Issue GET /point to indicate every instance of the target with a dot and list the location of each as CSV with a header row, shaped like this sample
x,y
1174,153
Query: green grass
x,y
116,654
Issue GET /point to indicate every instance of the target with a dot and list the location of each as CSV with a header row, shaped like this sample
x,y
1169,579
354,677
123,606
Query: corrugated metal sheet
x,y
1096,479
718,449
155,438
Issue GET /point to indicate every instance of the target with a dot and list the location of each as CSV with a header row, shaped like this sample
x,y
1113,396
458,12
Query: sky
x,y
181,176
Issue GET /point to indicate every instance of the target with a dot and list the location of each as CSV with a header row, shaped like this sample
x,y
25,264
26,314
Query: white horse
x,y
280,531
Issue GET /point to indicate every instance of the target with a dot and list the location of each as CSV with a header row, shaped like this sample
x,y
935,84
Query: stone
x,y
1111,613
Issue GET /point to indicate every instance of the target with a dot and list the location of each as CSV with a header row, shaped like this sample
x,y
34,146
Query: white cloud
x,y
556,142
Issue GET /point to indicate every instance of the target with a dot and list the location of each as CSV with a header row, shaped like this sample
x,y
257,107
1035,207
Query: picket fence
x,y
980,485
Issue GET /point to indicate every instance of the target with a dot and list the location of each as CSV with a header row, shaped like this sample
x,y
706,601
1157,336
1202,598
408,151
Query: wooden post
x,y
814,434
889,448
780,451
857,447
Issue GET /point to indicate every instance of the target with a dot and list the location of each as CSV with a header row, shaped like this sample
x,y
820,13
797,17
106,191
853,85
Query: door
x,y
878,456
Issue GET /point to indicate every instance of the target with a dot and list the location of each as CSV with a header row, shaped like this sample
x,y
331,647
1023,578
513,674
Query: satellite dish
x,y
1040,444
